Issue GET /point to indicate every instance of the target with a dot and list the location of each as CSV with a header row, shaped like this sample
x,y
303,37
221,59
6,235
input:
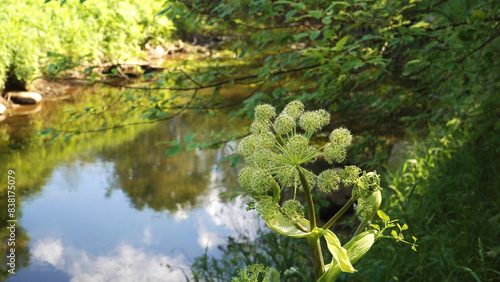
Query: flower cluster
x,y
276,151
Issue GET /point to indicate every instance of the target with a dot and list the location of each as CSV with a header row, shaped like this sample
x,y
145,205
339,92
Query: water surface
x,y
125,212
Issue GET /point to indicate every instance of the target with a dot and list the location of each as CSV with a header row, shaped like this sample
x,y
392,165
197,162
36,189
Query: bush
x,y
102,29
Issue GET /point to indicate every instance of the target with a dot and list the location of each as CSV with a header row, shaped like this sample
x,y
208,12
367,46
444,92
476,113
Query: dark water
x,y
113,208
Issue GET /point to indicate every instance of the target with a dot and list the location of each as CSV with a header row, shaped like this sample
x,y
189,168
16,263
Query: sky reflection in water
x,y
85,227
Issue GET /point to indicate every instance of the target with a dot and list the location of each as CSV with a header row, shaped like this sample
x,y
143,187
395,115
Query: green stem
x,y
317,256
309,199
361,226
339,214
314,245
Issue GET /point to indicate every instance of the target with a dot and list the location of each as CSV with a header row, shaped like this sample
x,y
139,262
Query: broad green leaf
x,y
356,248
339,253
315,34
394,234
192,146
174,150
316,13
283,227
383,216
189,137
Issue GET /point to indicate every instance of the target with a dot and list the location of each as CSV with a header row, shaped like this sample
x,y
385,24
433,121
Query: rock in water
x,y
24,97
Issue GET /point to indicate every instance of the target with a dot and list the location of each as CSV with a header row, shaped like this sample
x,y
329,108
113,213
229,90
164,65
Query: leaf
x,y
383,216
394,234
174,150
326,21
68,136
283,227
236,160
315,34
316,13
335,3
55,137
290,14
192,146
339,254
356,248
189,138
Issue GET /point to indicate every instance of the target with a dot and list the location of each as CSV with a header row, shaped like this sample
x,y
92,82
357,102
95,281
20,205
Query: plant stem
x,y
339,214
314,245
310,203
317,256
361,226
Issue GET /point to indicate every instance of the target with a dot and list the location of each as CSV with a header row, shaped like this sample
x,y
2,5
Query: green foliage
x,y
448,186
385,66
33,32
271,249
275,153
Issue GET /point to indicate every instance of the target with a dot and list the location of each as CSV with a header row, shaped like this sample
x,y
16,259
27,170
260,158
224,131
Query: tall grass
x,y
448,190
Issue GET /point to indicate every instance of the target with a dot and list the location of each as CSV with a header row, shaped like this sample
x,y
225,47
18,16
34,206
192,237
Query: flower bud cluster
x,y
336,149
275,151
293,210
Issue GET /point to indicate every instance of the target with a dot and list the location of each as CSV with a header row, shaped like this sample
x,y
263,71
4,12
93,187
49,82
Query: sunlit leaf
x,y
316,13
339,253
356,248
283,227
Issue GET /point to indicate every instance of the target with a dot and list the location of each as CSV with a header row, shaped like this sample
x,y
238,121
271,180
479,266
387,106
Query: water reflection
x,y
130,214
124,263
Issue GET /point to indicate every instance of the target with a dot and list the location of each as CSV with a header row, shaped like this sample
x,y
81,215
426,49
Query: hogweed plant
x,y
276,152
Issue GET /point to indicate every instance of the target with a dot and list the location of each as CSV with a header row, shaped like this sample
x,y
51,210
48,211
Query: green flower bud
x,y
248,145
328,181
284,124
267,209
314,121
261,183
264,113
297,145
267,140
341,136
287,175
367,207
293,211
245,177
264,158
350,175
334,153
367,184
258,127
294,109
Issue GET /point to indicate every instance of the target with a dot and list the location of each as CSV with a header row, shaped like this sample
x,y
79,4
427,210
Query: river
x,y
110,206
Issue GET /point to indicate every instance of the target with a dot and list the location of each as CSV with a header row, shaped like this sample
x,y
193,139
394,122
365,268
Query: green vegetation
x,y
34,32
423,70
276,154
